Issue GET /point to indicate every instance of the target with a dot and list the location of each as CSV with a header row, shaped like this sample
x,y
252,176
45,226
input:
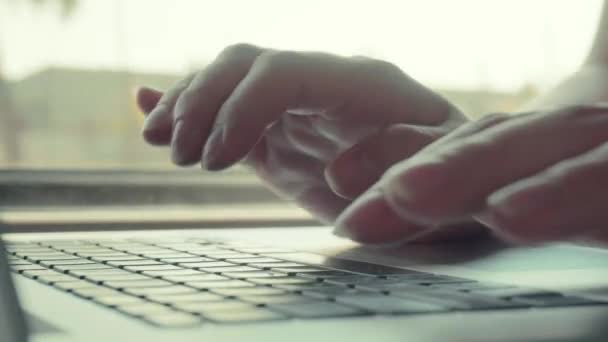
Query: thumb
x,y
358,168
147,98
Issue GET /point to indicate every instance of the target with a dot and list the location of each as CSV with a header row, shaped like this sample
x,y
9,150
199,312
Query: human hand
x,y
531,178
319,129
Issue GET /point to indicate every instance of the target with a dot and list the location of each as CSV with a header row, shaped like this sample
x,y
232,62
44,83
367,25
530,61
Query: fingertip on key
x,y
213,158
370,220
147,98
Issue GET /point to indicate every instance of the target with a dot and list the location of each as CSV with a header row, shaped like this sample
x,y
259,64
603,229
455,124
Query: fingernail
x,y
349,181
186,144
518,202
213,148
345,224
420,180
514,214
176,151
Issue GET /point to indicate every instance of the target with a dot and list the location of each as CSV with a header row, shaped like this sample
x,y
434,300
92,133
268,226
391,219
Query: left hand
x,y
534,177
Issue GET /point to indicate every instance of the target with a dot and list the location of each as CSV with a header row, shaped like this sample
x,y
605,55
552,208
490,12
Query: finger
x,y
470,128
358,168
371,220
462,231
351,89
358,221
147,99
198,104
564,202
301,133
453,180
294,175
159,122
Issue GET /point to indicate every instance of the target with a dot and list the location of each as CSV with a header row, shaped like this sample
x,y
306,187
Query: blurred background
x,y
69,68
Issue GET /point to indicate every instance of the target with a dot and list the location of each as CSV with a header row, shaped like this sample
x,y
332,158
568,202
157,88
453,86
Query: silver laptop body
x,y
578,270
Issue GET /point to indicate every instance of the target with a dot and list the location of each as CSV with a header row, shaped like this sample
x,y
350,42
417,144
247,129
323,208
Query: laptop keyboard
x,y
195,281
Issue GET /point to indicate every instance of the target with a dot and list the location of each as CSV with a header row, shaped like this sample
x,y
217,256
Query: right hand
x,y
319,129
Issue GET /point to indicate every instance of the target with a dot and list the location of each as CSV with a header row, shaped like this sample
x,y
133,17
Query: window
x,y
69,67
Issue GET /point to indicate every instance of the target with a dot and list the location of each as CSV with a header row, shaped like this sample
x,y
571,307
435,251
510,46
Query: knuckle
x,y
409,139
474,149
568,176
377,67
494,117
183,106
277,59
239,50
579,110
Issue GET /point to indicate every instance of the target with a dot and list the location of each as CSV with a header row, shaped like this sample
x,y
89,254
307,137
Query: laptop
x,y
294,283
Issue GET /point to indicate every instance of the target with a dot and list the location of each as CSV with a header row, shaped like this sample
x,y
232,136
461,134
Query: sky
x,y
459,44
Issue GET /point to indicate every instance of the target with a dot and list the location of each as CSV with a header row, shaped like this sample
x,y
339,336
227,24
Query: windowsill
x,y
32,219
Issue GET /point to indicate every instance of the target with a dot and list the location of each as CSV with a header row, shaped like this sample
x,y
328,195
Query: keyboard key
x,y
57,278
295,270
389,305
256,260
282,281
196,278
233,268
121,257
250,275
271,265
312,286
100,252
39,272
95,292
288,298
53,257
30,267
122,284
244,316
75,285
119,300
316,310
459,300
206,265
173,320
82,267
208,307
322,275
233,256
332,292
140,262
179,272
160,267
168,256
184,260
66,262
145,309
208,285
248,291
175,289
118,277
367,268
264,250
101,272
187,298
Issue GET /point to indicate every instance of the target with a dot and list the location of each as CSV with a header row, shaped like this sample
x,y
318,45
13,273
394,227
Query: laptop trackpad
x,y
556,257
